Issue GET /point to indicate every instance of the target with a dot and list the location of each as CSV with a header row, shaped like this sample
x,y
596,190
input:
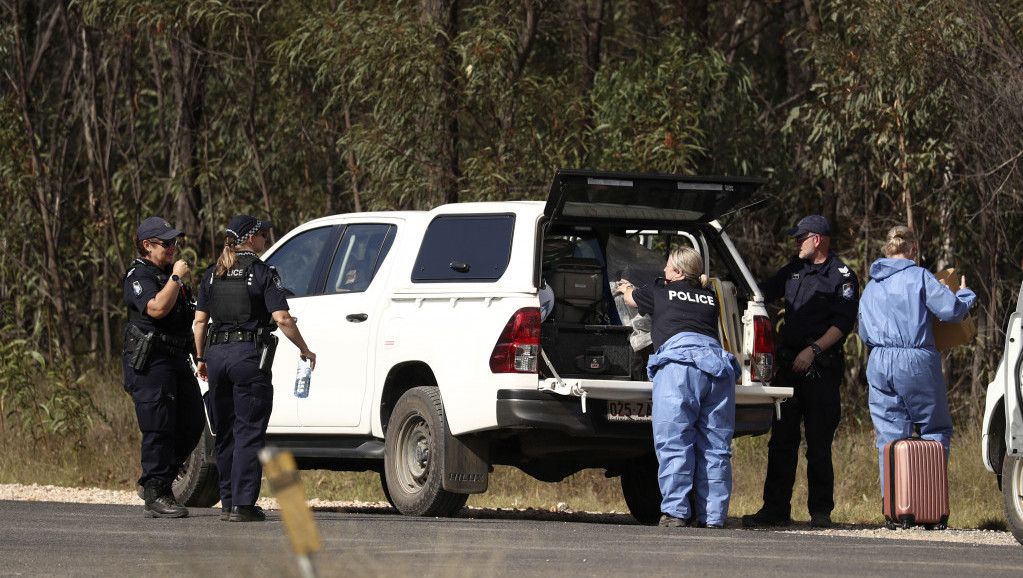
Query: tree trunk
x,y
440,17
189,59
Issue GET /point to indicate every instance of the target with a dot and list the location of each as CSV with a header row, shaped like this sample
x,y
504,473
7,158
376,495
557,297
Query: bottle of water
x,y
305,370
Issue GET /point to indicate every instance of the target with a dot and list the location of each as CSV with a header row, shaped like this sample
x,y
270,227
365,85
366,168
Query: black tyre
x,y
198,479
641,492
414,454
1012,494
387,492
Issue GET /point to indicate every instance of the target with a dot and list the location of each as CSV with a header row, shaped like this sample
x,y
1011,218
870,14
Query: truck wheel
x,y
414,456
383,485
198,481
641,492
1012,494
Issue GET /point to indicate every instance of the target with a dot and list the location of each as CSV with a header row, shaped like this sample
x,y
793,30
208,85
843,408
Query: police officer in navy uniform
x,y
157,374
243,299
821,296
693,393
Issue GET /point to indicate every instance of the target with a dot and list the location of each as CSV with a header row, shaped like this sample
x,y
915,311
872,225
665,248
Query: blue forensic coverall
x,y
693,421
907,387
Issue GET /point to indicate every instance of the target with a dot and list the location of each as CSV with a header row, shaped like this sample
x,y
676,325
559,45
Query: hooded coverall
x,y
907,387
693,421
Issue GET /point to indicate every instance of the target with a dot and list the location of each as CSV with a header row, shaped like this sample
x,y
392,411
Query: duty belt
x,y
169,344
222,337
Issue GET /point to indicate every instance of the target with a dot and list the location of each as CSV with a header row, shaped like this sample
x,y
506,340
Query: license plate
x,y
628,410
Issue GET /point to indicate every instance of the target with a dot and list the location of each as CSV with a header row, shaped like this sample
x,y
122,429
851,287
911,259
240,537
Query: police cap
x,y
244,226
811,224
158,228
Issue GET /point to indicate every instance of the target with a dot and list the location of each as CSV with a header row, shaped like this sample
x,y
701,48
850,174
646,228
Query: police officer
x,y
693,395
821,294
158,340
246,301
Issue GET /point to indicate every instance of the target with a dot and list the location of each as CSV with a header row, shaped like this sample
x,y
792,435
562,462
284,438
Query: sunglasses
x,y
800,240
164,244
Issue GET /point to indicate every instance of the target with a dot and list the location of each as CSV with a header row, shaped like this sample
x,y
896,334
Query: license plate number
x,y
628,410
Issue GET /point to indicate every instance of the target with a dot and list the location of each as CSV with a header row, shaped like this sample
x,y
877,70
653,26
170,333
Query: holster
x,y
211,330
139,344
267,344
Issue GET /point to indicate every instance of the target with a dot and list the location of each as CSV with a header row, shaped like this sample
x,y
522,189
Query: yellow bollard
x,y
286,485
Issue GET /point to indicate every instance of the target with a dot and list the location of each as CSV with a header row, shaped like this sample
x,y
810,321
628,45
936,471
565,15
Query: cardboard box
x,y
949,335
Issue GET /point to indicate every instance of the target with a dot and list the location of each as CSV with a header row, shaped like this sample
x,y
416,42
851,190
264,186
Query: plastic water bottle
x,y
305,370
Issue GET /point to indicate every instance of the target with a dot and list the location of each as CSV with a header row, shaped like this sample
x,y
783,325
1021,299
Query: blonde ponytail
x,y
686,260
227,259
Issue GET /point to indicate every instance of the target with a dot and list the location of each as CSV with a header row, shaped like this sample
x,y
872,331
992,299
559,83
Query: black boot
x,y
160,502
247,514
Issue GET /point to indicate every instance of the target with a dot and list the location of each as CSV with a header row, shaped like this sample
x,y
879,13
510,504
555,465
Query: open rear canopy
x,y
642,201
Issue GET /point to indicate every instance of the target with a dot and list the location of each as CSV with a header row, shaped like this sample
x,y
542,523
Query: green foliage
x,y
48,404
868,111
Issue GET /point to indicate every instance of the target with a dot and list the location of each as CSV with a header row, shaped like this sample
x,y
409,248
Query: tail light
x,y
519,345
763,349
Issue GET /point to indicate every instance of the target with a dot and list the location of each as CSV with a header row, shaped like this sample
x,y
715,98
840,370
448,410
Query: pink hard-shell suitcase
x,y
915,484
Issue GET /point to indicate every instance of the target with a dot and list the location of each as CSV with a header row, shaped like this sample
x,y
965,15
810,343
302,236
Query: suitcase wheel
x,y
890,525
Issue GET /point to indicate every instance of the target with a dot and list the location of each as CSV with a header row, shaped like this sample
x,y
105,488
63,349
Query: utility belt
x,y
223,337
140,344
263,338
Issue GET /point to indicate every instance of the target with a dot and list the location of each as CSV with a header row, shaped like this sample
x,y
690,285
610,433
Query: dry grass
x,y
107,456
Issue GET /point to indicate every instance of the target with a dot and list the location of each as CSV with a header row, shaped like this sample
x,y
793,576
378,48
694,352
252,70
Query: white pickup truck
x,y
1002,444
478,334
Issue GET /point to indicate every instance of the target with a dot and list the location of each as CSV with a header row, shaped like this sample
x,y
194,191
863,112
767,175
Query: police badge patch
x,y
136,287
847,291
278,283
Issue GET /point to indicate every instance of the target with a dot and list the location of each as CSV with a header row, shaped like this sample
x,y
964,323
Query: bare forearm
x,y
290,330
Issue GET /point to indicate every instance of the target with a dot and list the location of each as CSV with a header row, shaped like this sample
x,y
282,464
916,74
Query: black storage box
x,y
577,350
578,286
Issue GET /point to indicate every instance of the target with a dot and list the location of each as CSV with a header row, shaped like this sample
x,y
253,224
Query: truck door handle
x,y
357,317
460,267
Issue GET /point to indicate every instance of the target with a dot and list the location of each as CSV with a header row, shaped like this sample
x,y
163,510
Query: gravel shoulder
x,y
35,492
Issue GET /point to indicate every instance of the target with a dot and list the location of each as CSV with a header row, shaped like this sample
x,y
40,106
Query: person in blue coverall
x,y
693,393
907,388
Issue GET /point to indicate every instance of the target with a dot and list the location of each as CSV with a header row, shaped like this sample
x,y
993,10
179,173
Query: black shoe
x,y
820,520
669,521
247,514
225,513
763,519
160,502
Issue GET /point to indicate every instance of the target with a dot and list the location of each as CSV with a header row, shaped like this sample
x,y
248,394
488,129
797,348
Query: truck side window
x,y
296,260
465,248
358,256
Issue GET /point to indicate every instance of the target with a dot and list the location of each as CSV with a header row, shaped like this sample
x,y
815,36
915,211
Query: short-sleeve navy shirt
x,y
677,306
141,284
816,298
264,286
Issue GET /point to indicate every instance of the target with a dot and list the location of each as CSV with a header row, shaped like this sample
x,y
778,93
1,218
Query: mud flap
x,y
466,464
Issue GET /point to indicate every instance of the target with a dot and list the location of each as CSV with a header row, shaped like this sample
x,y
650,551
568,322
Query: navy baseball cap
x,y
244,226
158,228
811,224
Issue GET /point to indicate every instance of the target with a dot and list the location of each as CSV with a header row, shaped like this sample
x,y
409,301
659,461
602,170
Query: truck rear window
x,y
465,248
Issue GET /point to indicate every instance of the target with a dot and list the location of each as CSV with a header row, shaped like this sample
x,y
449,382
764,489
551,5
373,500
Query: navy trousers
x,y
169,409
240,401
816,406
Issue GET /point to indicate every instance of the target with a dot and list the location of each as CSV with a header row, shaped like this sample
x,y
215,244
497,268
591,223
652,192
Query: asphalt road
x,y
58,539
